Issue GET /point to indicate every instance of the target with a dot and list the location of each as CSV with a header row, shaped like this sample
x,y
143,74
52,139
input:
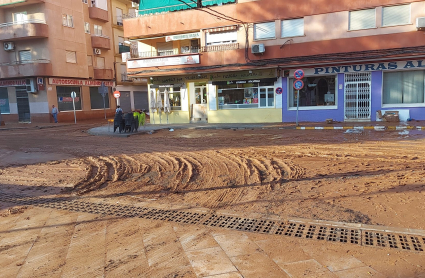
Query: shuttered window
x,y
87,27
98,30
119,16
396,15
221,37
71,57
165,48
292,28
25,56
67,20
264,30
100,62
364,19
89,60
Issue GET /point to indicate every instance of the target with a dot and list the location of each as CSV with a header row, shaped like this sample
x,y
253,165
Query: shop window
x,y
251,95
317,91
65,100
404,87
264,30
96,99
364,19
173,96
396,15
4,101
292,28
221,38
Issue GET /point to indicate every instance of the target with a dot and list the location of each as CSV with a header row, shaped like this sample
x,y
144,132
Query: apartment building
x,y
49,50
134,93
235,62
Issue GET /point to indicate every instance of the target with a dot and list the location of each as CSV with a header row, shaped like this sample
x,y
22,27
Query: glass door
x,y
201,94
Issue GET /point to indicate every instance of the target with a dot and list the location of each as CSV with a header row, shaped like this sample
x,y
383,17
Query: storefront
x,y
357,92
225,97
89,103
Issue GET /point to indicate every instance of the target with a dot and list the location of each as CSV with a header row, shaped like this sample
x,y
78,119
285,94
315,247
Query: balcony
x,y
100,42
99,14
26,68
4,4
27,29
208,48
103,74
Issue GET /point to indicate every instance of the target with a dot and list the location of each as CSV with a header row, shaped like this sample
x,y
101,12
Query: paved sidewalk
x,y
55,243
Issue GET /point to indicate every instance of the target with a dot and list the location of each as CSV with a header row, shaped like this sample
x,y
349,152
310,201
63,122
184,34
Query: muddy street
x,y
369,177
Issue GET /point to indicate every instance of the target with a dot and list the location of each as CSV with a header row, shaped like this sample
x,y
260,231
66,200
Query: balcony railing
x,y
208,48
7,24
123,49
37,61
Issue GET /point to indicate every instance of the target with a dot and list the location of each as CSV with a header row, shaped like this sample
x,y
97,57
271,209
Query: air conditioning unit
x,y
258,48
8,46
97,51
31,85
420,23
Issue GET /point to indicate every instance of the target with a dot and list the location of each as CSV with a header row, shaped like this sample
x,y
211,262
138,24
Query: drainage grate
x,y
324,232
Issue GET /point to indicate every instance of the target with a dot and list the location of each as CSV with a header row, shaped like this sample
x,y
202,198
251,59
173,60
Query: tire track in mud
x,y
210,178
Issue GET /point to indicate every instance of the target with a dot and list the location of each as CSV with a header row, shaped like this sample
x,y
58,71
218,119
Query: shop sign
x,y
165,61
385,66
183,37
68,99
7,83
218,76
265,80
78,82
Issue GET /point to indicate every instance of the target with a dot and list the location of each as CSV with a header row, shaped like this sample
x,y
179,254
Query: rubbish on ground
x,y
329,121
389,116
171,129
353,131
404,132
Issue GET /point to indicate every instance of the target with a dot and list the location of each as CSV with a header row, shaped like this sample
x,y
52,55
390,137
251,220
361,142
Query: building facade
x,y
134,93
235,62
51,49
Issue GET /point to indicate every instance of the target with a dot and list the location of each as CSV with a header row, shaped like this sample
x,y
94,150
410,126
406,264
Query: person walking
x,y
118,109
55,112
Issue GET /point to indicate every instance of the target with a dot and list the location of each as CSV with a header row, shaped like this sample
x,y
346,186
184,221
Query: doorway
x,y
199,100
357,96
23,104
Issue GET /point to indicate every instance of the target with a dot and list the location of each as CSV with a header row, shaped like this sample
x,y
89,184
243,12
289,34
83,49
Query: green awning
x,y
161,6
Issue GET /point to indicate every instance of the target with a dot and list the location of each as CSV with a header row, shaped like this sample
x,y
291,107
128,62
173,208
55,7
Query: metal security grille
x,y
357,96
381,238
23,104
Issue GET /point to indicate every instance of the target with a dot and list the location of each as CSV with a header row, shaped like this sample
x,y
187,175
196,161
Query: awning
x,y
161,6
221,29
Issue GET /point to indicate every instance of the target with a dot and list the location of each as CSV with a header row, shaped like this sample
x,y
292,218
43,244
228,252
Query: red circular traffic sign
x,y
299,74
279,90
117,94
298,85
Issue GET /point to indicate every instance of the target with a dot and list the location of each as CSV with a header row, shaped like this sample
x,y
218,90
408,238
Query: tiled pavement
x,y
55,243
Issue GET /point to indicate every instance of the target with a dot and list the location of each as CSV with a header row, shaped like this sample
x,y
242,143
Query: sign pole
x,y
104,106
298,103
75,116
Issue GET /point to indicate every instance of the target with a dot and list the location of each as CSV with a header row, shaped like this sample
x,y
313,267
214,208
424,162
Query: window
x,y
4,101
364,19
71,57
96,99
65,100
249,95
98,30
89,60
165,48
396,15
317,91
87,27
221,38
403,87
292,28
119,16
264,30
85,1
67,20
20,17
100,62
175,100
25,56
